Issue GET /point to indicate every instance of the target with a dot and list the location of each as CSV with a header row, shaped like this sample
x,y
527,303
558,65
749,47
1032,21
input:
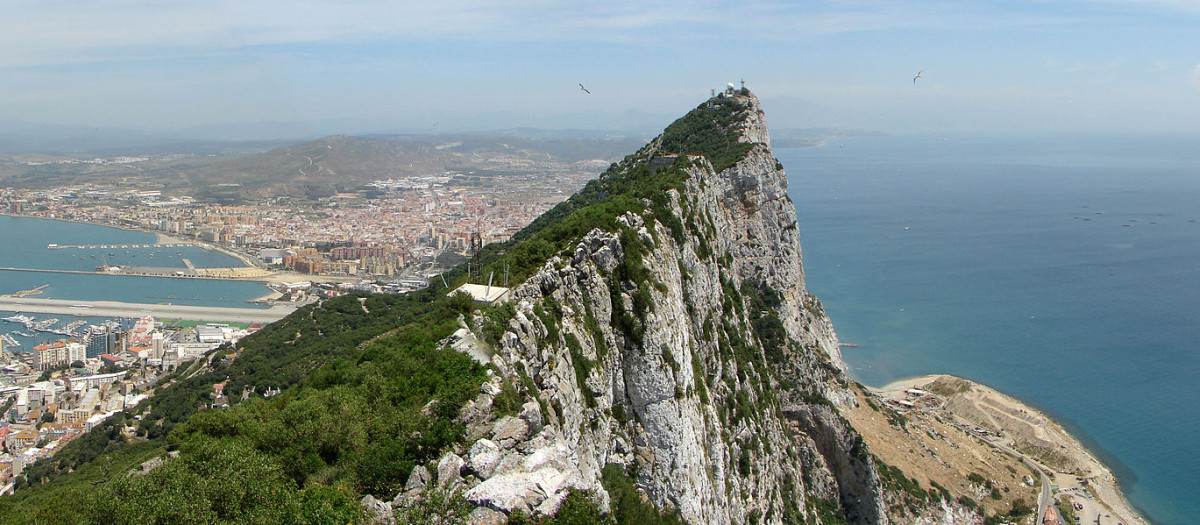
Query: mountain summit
x,y
674,343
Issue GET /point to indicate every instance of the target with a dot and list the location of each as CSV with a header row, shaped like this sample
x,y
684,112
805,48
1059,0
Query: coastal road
x,y
1046,498
167,311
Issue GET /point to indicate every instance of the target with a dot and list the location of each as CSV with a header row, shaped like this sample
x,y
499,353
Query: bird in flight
x,y
918,76
584,89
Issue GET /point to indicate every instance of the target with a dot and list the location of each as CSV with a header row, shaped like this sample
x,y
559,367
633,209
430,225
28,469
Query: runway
x,y
165,311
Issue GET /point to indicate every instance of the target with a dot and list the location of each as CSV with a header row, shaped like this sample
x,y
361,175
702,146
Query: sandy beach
x,y
1082,484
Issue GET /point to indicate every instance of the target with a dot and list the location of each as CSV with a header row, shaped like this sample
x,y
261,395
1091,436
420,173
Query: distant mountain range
x,y
219,164
787,114
229,172
23,137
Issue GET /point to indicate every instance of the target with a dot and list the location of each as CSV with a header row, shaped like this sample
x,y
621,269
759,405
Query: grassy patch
x,y
627,504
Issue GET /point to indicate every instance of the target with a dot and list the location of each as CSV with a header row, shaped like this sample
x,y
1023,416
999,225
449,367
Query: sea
x,y
1062,270
24,244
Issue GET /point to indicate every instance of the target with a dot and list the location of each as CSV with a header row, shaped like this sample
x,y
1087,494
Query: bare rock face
x,y
486,516
531,414
449,470
518,491
376,512
418,480
483,458
509,431
711,380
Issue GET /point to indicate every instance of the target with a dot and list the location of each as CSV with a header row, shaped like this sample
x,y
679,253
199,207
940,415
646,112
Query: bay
x,y
1062,270
24,245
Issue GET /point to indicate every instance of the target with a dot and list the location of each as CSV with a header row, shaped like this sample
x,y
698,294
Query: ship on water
x,y
42,325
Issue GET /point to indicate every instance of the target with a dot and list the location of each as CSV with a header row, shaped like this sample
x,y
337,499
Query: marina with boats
x,y
78,329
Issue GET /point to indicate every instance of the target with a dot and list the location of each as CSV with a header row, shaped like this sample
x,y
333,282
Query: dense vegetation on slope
x,y
711,130
278,356
359,374
362,367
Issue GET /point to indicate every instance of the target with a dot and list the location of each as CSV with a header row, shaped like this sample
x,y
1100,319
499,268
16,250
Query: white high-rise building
x,y
156,342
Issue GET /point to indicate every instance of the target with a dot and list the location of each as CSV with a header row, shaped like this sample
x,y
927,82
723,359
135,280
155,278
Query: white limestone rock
x,y
486,516
531,414
483,458
509,431
418,479
449,470
376,512
517,491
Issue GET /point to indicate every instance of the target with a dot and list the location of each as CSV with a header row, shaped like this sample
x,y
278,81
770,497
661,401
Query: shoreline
x,y
1012,425
272,277
159,237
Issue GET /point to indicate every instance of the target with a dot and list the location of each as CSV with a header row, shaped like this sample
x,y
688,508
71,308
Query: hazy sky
x,y
1023,65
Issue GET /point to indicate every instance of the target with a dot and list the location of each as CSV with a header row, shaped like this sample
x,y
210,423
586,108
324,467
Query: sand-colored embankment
x,y
999,425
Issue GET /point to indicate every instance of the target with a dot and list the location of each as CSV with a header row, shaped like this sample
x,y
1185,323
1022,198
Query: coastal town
x,y
58,390
394,229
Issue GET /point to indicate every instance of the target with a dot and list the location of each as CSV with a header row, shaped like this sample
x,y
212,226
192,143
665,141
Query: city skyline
x,y
377,66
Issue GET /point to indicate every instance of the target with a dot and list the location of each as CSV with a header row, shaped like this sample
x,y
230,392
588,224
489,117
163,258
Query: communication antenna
x,y
476,254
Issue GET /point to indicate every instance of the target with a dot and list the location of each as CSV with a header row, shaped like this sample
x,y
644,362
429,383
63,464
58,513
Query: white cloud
x,y
74,31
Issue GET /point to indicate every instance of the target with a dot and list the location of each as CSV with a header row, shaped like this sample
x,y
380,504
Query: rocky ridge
x,y
679,349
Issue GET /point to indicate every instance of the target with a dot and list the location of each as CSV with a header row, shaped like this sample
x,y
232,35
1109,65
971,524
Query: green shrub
x,y
577,509
508,402
627,505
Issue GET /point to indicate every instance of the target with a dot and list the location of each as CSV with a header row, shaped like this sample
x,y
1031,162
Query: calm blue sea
x,y
1062,270
23,244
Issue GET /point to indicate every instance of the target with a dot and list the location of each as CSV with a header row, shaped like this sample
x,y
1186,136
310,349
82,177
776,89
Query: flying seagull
x,y
584,89
918,76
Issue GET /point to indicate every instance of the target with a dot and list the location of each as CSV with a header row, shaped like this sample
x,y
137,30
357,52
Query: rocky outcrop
x,y
376,512
681,346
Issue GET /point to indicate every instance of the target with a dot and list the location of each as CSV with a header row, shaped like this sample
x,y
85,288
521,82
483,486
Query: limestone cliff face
x,y
713,384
